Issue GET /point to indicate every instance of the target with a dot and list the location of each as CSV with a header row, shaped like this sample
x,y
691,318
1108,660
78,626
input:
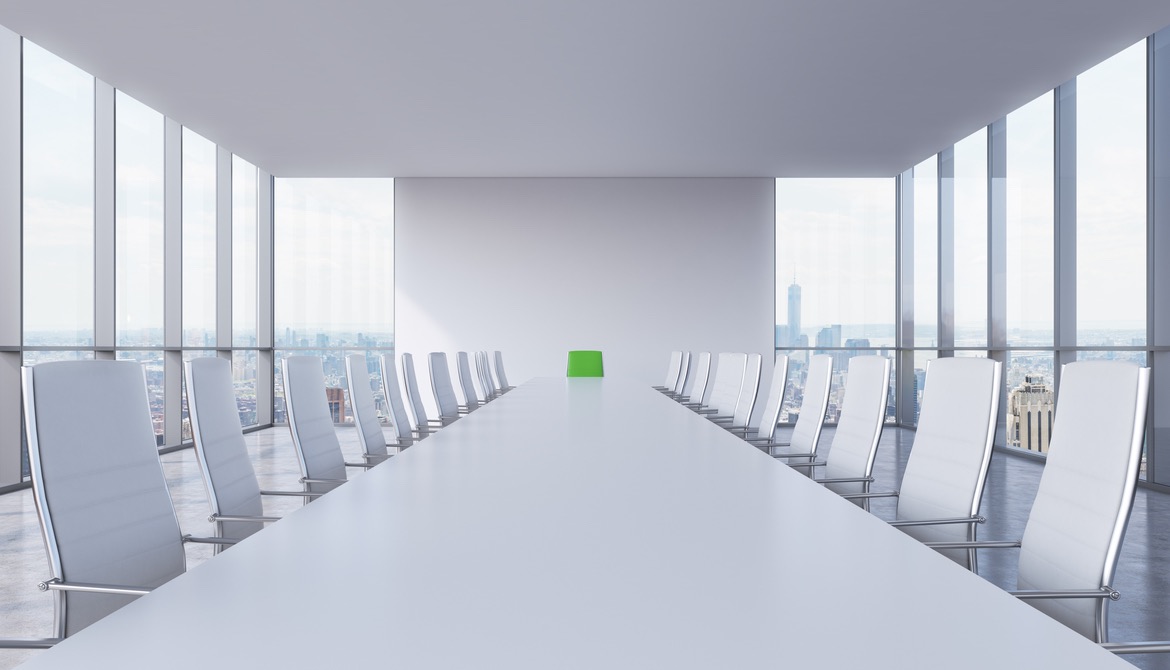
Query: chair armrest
x,y
311,480
842,480
360,465
795,454
1103,592
42,643
866,496
806,465
55,584
234,517
979,544
938,522
1134,647
302,494
209,540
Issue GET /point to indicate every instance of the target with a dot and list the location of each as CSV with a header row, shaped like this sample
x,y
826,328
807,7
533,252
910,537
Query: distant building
x,y
1030,409
794,336
829,337
336,398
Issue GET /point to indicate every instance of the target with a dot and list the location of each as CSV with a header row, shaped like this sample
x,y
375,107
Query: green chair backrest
x,y
585,364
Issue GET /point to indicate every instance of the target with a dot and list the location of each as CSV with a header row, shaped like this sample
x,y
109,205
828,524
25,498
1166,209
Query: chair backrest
x,y
393,393
470,396
770,414
361,401
444,392
309,421
859,427
105,511
484,371
695,387
729,372
500,371
585,363
806,434
673,370
683,368
412,394
1082,506
748,389
223,457
947,467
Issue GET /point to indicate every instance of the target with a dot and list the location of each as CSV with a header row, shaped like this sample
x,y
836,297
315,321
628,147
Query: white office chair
x,y
483,372
500,375
942,485
674,370
770,415
405,433
746,402
806,434
425,424
849,466
471,397
725,389
694,387
448,404
365,414
311,425
106,515
233,492
1073,536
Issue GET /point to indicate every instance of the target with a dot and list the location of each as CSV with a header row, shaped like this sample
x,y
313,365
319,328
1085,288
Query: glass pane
x,y
152,362
1111,201
245,368
926,253
1030,220
797,375
1030,379
139,204
835,241
198,241
971,240
244,259
58,201
921,359
334,275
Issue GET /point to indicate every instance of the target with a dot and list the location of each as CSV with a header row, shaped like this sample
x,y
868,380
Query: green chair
x,y
585,364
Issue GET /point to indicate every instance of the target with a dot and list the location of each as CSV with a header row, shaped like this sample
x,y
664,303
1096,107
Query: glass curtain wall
x,y
334,279
962,223
93,154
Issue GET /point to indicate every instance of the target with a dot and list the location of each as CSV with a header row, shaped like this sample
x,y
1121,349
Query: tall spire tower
x,y
794,312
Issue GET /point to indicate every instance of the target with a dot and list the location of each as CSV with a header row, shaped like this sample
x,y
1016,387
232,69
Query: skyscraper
x,y
1030,409
794,313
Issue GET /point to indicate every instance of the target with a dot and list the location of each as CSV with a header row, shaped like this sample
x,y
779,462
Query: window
x,y
1030,220
334,274
970,250
926,253
199,170
835,272
58,201
138,169
1111,201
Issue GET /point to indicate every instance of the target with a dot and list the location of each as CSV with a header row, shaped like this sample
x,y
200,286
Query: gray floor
x,y
1139,615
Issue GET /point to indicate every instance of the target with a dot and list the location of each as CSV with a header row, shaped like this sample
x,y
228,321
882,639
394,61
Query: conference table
x,y
578,523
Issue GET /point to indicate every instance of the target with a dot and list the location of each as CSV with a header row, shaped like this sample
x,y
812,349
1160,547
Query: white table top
x,y
579,523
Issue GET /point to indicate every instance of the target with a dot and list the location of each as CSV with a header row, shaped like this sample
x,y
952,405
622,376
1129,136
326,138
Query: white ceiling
x,y
470,88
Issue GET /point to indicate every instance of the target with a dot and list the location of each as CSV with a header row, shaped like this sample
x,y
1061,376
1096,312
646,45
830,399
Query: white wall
x,y
536,267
